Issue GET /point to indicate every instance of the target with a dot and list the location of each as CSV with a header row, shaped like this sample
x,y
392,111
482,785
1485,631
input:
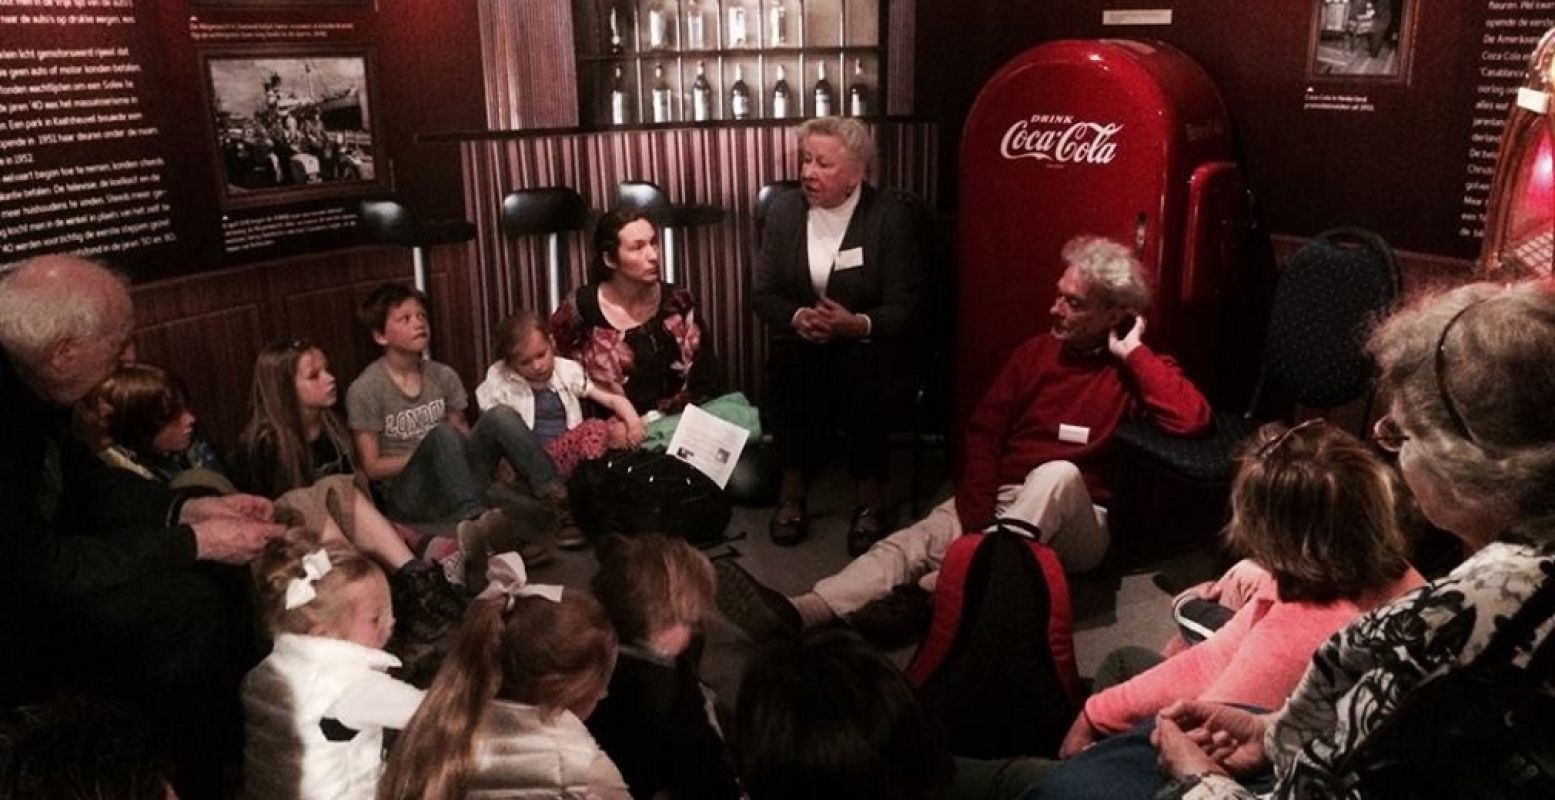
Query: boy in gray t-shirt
x,y
406,415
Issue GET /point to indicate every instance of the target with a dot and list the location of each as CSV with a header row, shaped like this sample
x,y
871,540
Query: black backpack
x,y
639,491
997,667
1484,732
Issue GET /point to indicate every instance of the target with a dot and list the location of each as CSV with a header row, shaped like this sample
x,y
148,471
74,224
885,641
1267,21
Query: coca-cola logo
x,y
1061,139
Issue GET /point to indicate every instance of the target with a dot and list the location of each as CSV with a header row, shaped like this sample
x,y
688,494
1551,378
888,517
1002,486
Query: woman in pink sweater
x,y
1315,509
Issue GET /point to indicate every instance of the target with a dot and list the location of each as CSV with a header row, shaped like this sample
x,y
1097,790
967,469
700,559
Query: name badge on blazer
x,y
1074,434
851,258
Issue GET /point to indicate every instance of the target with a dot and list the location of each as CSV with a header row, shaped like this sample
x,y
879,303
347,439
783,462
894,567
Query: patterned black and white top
x,y
1360,675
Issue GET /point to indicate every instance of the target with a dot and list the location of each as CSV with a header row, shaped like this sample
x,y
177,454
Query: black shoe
x,y
427,610
896,620
789,525
421,589
760,611
868,527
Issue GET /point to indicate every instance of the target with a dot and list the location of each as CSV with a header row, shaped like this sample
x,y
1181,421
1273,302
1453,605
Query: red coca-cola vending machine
x,y
1123,139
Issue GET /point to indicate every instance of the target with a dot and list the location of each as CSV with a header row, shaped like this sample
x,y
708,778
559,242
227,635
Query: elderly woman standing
x,y
1472,384
836,283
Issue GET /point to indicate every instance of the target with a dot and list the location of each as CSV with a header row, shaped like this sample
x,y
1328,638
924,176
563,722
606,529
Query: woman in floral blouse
x,y
634,334
1472,384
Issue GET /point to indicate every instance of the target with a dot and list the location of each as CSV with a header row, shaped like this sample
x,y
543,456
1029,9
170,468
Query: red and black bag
x,y
998,666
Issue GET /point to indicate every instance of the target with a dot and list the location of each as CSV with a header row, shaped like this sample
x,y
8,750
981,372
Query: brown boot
x,y
495,532
568,535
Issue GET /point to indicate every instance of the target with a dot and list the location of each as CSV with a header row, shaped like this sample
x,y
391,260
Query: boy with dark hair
x,y
406,414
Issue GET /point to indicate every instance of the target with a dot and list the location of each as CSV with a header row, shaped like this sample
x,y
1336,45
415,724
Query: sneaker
x,y
762,612
895,620
495,532
569,536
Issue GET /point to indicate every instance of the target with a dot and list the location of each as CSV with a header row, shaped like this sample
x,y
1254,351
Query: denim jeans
x,y
437,483
502,432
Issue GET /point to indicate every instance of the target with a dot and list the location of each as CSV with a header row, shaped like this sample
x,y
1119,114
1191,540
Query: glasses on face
x,y
1388,434
1273,445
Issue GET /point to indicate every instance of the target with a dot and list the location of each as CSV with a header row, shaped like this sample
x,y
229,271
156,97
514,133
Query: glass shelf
x,y
638,60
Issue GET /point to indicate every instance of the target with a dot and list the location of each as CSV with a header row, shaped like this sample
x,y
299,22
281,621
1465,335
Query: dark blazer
x,y
885,288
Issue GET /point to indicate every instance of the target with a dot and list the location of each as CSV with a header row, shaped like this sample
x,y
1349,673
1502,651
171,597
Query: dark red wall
x,y
1398,170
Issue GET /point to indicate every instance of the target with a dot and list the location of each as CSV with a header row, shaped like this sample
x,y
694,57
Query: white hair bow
x,y
508,578
299,591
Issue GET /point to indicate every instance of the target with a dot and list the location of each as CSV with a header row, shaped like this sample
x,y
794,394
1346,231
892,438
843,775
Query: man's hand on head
x,y
1121,346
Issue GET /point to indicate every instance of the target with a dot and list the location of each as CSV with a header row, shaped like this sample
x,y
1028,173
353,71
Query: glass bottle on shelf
x,y
777,23
822,96
739,29
780,95
661,95
739,95
701,96
695,34
658,21
617,99
617,44
859,104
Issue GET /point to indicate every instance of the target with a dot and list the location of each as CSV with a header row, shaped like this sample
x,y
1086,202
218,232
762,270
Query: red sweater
x,y
1016,426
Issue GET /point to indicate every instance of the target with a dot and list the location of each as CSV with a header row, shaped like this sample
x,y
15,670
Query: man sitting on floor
x,y
1035,449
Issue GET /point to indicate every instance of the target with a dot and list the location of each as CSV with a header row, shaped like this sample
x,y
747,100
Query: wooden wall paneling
x,y
530,72
900,44
209,352
209,327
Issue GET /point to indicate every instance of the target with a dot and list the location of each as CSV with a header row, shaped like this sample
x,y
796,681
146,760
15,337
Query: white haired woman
x,y
836,282
1472,383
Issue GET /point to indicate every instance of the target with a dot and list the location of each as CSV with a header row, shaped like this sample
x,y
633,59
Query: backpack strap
x,y
949,599
1060,626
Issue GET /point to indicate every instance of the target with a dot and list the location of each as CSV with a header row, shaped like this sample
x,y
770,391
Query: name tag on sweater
x,y
850,258
1074,434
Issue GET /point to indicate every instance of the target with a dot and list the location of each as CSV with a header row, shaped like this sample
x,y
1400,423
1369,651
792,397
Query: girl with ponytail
x,y
504,716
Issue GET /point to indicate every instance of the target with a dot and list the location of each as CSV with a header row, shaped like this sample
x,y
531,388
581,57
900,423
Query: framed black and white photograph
x,y
293,123
1361,39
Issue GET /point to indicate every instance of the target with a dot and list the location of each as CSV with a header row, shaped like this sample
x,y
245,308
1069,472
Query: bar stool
x,y
666,216
389,223
553,211
764,198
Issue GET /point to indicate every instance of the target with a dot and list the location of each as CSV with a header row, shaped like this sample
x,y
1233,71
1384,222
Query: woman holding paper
x,y
637,336
836,282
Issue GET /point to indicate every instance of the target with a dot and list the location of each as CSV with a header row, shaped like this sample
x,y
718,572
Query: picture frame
x,y
1361,40
291,123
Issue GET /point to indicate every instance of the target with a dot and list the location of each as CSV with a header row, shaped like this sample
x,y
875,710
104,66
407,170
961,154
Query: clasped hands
x,y
827,320
230,529
1194,737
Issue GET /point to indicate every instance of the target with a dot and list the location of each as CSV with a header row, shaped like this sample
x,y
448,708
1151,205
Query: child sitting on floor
x,y
656,721
504,718
316,707
406,414
546,391
140,420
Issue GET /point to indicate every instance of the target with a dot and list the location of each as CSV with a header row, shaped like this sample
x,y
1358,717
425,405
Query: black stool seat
x,y
546,209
